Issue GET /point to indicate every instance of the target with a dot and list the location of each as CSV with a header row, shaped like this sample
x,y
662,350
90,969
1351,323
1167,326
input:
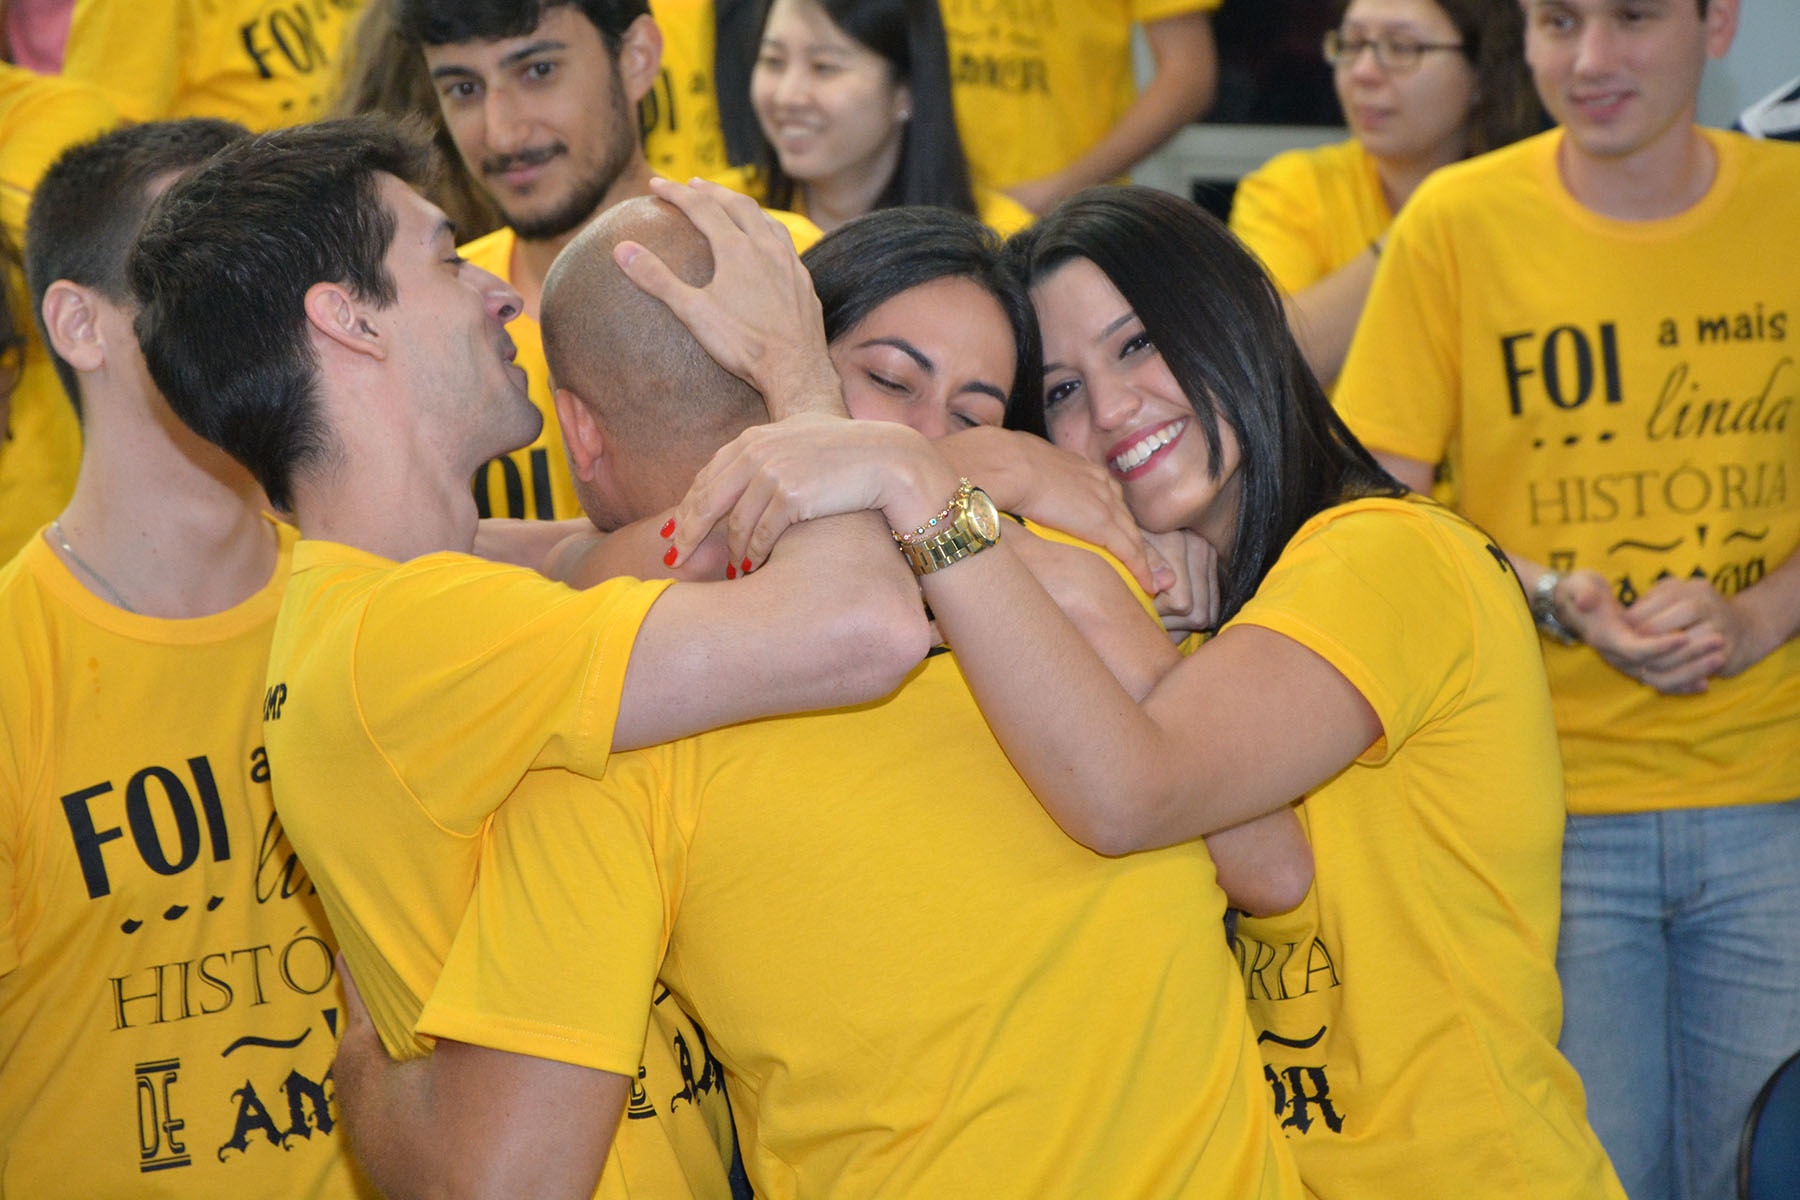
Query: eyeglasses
x,y
1396,55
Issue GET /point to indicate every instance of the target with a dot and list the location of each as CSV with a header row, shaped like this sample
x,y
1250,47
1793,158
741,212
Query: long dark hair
x,y
864,263
1218,323
909,37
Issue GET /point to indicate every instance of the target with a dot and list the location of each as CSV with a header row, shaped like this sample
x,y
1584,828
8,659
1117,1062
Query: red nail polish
x,y
746,567
668,530
730,571
669,558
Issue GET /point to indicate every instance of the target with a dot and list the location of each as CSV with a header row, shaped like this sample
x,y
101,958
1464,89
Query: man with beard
x,y
541,99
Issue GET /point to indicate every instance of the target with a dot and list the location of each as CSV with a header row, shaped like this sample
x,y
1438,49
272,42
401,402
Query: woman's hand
x,y
807,467
1189,602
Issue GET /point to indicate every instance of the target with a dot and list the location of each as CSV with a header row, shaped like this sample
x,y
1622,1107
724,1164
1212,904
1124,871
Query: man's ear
x,y
640,58
339,316
69,321
1721,26
582,434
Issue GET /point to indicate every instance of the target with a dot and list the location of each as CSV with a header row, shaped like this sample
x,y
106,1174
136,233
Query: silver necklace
x,y
111,591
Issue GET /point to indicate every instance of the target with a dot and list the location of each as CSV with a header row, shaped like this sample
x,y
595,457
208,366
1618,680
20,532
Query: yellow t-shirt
x,y
168,1005
1307,213
406,702
1408,1008
534,483
917,984
40,448
682,110
1037,84
262,63
1614,395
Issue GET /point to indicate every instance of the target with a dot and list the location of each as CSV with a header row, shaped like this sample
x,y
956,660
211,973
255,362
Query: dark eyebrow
x,y
1117,325
529,50
1112,327
984,389
905,347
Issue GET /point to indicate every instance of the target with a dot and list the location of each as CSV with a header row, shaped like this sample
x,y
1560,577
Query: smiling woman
x,y
852,98
1375,675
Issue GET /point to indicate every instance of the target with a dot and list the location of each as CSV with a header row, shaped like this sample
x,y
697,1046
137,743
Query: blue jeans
x,y
1680,966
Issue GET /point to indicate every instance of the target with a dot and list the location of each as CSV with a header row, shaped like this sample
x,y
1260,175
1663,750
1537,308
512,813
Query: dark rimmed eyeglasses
x,y
1397,55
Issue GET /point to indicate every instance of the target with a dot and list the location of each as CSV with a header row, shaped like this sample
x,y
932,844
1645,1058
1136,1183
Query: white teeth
x,y
1139,454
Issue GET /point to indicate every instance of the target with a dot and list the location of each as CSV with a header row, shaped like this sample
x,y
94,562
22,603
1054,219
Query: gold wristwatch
x,y
968,525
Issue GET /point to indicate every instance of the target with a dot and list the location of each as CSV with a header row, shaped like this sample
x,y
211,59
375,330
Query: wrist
x,y
810,387
964,527
1544,610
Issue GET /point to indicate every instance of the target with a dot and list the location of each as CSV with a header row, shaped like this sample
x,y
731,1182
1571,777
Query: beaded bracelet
x,y
963,488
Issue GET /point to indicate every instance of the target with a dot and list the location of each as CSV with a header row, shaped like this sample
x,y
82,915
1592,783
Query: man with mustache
x,y
541,99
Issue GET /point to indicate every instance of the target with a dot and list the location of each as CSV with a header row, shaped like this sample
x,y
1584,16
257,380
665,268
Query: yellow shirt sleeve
x,y
514,671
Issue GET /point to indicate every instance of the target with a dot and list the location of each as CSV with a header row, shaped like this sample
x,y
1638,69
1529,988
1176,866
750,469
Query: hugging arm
x,y
469,1123
1207,747
1265,865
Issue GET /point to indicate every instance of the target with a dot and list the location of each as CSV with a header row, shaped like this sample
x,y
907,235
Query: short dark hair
x,y
909,36
1218,323
222,268
864,263
87,209
447,22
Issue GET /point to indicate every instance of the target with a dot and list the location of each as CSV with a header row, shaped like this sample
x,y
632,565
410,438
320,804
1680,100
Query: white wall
x,y
1765,54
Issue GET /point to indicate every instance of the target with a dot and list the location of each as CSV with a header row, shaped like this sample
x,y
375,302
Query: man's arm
x,y
1186,73
525,543
469,1122
833,618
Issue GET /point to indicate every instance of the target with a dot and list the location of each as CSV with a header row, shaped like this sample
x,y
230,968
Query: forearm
x,y
1770,612
1180,91
1075,733
469,1122
524,543
1323,317
637,551
377,1097
1128,640
809,385
832,618
1264,866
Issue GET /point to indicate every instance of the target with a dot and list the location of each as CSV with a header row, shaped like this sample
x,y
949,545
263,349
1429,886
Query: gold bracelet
x,y
963,488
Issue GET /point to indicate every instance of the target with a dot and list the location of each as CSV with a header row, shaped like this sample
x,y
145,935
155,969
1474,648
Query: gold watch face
x,y
984,520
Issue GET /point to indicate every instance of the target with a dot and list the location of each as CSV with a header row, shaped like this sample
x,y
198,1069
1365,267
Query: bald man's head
x,y
664,405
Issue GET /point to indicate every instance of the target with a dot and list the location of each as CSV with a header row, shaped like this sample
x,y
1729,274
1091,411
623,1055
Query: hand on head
x,y
757,317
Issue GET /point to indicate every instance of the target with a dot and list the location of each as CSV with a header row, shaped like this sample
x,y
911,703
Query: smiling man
x,y
1590,328
542,100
